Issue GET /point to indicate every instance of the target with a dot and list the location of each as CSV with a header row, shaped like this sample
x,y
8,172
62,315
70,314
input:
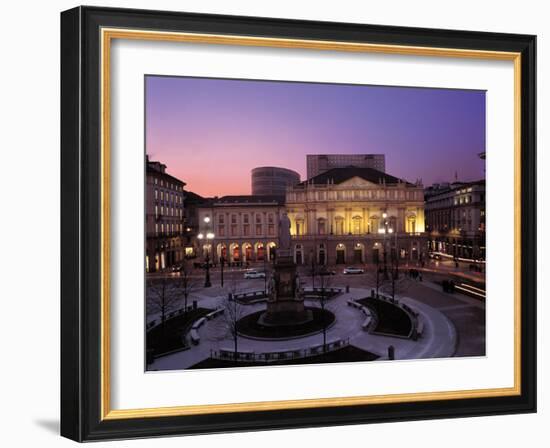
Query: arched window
x,y
340,253
322,254
411,224
247,252
298,255
260,252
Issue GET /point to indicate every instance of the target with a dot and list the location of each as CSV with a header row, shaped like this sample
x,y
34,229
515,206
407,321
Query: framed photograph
x,y
273,223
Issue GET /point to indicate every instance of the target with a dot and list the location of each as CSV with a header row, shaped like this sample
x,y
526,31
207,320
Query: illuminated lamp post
x,y
396,256
385,232
209,237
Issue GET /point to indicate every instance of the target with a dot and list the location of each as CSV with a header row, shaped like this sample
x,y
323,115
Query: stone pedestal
x,y
285,304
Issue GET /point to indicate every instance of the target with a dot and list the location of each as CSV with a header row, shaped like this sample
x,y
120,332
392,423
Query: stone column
x,y
400,219
314,229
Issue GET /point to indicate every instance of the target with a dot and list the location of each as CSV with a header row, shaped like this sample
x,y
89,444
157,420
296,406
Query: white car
x,y
352,270
254,274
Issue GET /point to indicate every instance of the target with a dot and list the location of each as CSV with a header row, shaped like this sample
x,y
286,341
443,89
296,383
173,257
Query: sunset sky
x,y
211,132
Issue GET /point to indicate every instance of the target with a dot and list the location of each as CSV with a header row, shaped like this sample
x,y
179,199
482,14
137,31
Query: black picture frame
x,y
81,381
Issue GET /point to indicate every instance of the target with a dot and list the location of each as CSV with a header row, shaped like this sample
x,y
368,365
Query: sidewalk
x,y
438,339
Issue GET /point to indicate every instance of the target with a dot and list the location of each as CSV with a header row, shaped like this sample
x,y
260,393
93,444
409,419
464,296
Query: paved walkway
x,y
439,338
466,314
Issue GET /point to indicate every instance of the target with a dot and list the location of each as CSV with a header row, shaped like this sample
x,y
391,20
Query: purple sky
x,y
211,132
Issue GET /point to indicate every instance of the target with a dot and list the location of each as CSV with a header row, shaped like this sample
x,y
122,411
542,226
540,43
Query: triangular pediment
x,y
357,181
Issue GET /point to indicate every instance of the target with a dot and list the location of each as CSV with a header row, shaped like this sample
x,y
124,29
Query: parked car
x,y
327,272
254,274
351,270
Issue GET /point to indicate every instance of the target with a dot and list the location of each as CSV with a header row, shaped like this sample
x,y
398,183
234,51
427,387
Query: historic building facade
x,y
356,215
241,229
455,219
192,203
164,218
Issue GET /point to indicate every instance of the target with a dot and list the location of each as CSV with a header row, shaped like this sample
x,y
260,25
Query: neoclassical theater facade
x,y
354,215
343,216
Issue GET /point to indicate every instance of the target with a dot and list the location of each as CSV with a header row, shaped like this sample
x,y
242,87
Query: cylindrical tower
x,y
272,180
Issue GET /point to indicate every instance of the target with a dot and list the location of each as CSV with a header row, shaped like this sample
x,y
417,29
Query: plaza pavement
x,y
444,316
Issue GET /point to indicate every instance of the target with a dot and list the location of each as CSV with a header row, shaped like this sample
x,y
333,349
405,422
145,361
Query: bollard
x,y
347,288
194,304
391,352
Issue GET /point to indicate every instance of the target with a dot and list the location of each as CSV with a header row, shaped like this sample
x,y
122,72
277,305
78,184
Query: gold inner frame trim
x,y
107,35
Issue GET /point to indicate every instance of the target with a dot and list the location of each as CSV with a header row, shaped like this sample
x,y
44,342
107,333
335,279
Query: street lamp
x,y
396,254
209,237
264,255
384,217
222,262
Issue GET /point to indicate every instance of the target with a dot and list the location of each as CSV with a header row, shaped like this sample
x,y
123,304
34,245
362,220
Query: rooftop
x,y
246,199
339,175
443,188
158,169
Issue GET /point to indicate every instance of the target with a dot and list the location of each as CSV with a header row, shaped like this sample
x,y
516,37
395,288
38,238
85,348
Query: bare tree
x,y
375,276
162,298
186,282
398,284
313,269
233,312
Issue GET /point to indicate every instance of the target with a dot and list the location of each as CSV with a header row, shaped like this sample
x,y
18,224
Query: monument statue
x,y
284,232
285,303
